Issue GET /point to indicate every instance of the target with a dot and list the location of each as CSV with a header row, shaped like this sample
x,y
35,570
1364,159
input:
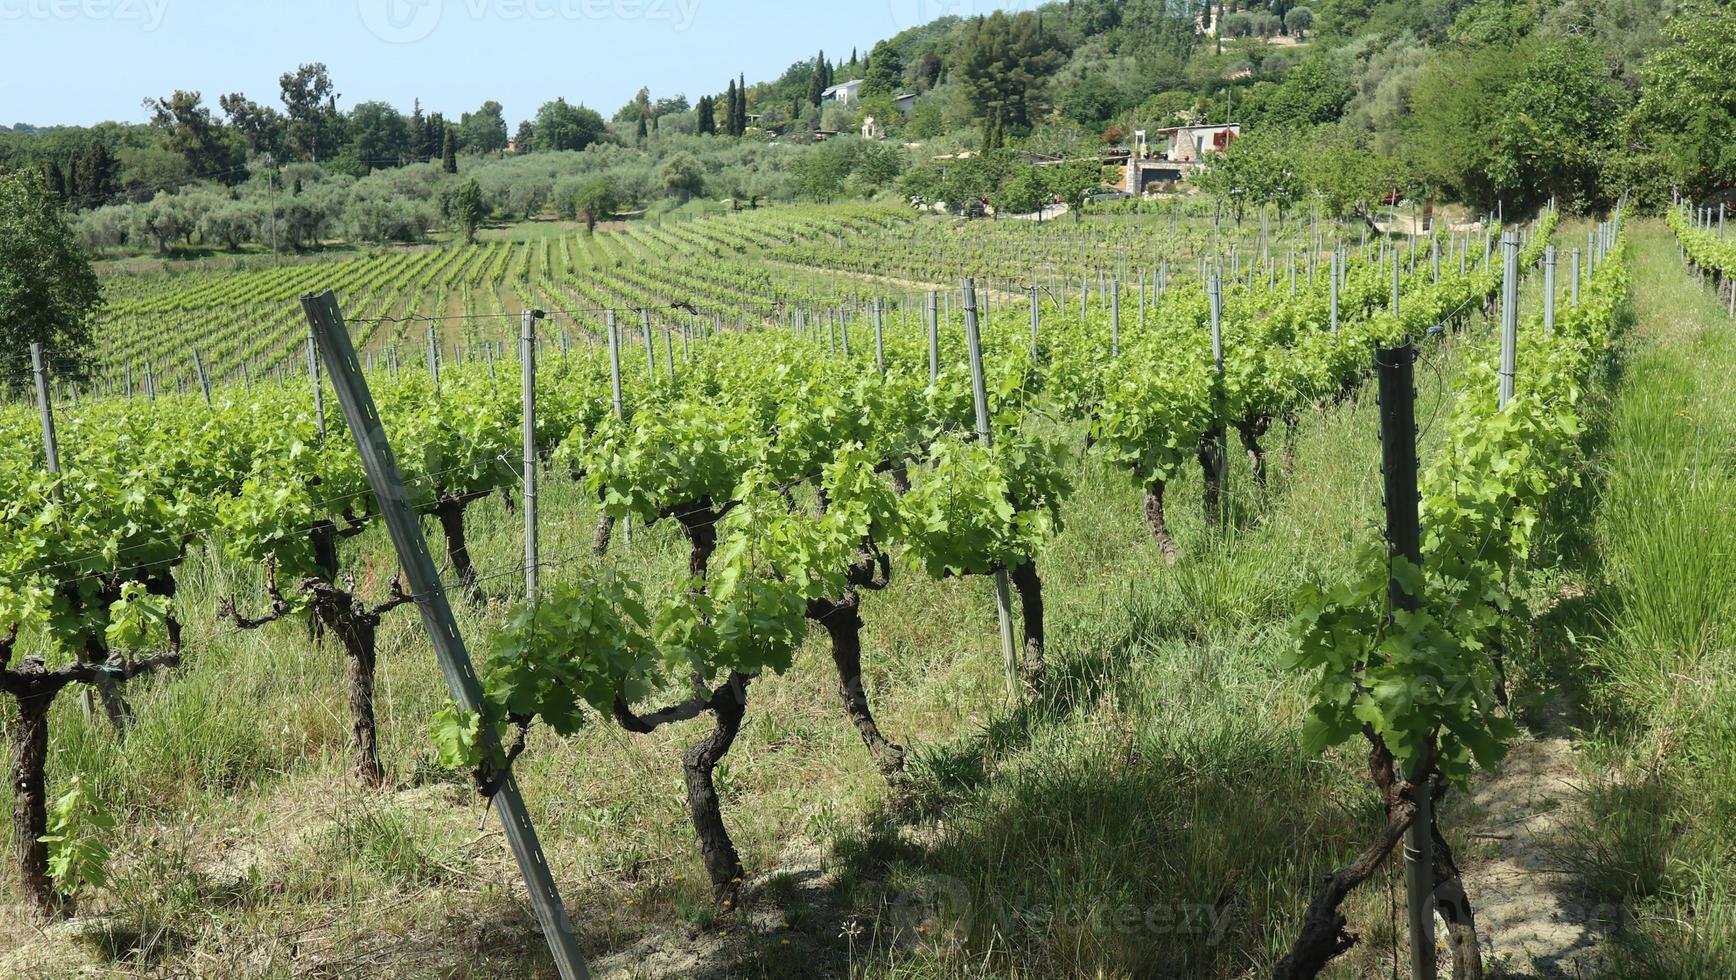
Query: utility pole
x,y
271,193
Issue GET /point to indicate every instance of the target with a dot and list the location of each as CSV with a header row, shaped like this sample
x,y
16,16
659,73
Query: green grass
x,y
1661,838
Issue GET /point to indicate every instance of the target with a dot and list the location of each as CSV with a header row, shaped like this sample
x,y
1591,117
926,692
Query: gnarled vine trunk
x,y
1452,904
1155,519
716,849
1250,431
356,629
1324,935
843,624
1211,457
28,735
449,508
1030,589
33,689
600,537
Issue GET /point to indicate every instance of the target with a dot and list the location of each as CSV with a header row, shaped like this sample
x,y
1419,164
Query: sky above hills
x,y
79,62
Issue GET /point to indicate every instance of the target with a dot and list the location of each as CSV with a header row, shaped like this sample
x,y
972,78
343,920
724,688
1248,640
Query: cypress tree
x,y
642,132
99,172
449,153
418,130
817,84
729,107
741,104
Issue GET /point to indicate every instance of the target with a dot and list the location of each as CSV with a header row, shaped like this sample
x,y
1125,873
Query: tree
x,y
261,127
562,126
433,137
232,223
525,138
705,119
48,291
449,151
1315,91
730,99
1027,190
485,129
669,106
682,174
595,200
466,209
1091,100
1259,167
885,74
1075,181
310,103
188,129
818,82
418,130
98,175
1515,125
1004,63
1687,112
740,105
1299,20
379,137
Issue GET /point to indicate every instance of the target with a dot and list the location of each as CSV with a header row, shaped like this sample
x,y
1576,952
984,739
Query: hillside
x,y
1499,104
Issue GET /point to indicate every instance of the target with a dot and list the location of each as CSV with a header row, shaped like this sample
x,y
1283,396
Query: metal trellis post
x,y
381,467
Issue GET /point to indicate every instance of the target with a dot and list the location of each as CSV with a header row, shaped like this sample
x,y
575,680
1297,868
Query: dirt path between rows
x,y
1531,916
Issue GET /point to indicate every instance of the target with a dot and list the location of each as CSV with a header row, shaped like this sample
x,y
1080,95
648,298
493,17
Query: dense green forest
x,y
1495,103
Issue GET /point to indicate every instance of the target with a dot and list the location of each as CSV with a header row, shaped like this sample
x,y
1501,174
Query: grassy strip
x,y
1660,844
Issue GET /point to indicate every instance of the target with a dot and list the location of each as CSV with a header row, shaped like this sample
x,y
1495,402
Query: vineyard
x,y
160,331
792,461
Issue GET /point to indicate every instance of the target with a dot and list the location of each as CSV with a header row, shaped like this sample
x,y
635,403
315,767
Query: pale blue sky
x,y
82,61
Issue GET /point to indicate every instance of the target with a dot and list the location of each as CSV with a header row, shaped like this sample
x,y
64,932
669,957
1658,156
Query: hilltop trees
x,y
188,129
310,106
820,80
1688,109
1540,116
885,74
562,126
379,137
485,129
1004,63
48,293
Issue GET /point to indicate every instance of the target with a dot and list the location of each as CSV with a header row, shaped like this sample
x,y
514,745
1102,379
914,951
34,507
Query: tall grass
x,y
1661,839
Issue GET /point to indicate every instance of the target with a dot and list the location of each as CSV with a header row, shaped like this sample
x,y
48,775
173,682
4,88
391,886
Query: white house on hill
x,y
845,92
